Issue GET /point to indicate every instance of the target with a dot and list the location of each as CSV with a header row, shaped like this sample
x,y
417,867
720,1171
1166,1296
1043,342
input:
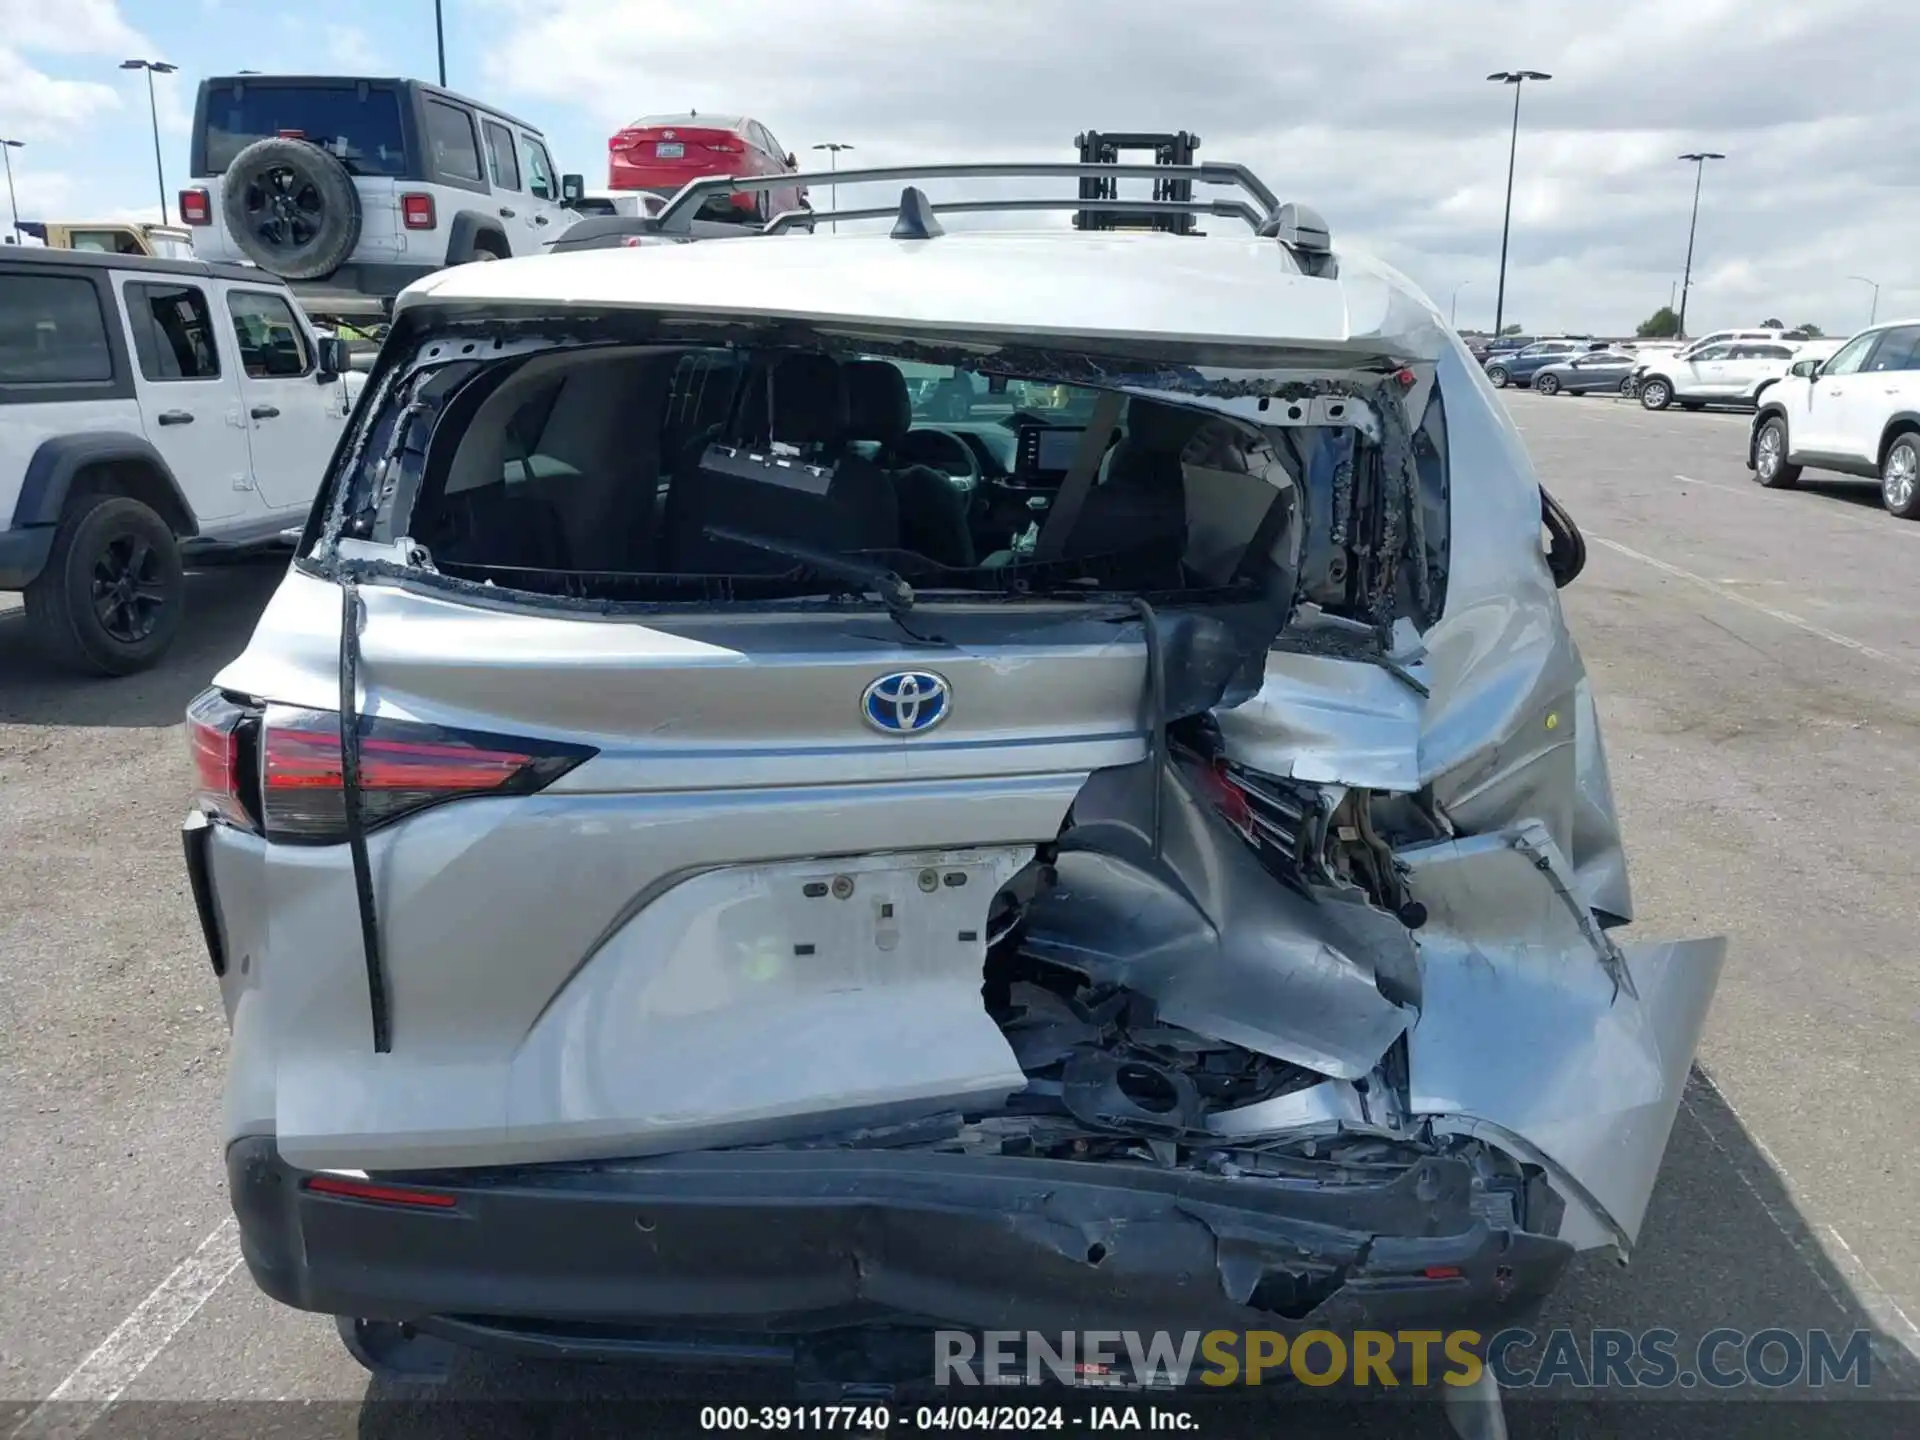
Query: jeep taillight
x,y
404,766
416,211
221,735
196,207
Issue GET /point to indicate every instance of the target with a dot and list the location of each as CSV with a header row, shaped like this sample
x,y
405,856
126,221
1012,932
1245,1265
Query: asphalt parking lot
x,y
1758,670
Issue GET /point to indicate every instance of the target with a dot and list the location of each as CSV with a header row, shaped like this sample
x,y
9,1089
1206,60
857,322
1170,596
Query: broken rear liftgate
x,y
1299,1009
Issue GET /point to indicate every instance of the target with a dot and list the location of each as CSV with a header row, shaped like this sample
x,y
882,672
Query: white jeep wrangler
x,y
151,412
352,188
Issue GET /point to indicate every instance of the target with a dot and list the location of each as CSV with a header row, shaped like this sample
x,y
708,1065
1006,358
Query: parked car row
x,y
1854,413
1726,367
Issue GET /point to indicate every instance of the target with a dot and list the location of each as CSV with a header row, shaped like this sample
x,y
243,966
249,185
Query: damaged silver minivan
x,y
713,850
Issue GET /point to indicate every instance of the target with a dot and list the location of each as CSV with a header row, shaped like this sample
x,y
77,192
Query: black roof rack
x,y
678,213
1169,149
1173,207
1233,209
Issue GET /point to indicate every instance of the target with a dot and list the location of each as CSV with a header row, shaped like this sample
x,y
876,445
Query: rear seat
x,y
850,506
933,514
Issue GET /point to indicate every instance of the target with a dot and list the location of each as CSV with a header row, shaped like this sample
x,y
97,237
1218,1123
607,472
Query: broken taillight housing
x,y
221,735
404,766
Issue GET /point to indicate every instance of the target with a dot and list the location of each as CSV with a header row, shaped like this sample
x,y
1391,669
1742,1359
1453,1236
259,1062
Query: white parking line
x,y
1874,1298
97,1381
1785,617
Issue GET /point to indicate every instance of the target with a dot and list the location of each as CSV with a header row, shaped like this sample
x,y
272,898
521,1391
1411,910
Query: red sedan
x,y
663,152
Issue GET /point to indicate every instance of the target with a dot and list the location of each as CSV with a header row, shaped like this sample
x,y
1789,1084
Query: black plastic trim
x,y
377,999
467,228
196,836
779,1242
23,555
51,472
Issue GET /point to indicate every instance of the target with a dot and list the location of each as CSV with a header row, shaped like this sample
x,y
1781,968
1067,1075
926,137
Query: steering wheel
x,y
946,452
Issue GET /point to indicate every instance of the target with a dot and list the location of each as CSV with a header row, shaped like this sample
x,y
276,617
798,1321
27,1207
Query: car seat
x,y
932,510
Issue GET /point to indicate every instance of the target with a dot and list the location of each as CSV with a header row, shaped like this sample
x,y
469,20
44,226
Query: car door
x,y
1743,369
1706,374
190,404
543,192
1840,381
791,197
1885,384
519,214
293,419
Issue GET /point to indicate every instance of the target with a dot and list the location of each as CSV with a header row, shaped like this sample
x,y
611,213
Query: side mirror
x,y
572,187
1805,369
792,164
332,359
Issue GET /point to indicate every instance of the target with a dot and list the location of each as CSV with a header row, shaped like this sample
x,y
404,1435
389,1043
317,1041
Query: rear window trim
x,y
431,339
405,103
424,162
119,386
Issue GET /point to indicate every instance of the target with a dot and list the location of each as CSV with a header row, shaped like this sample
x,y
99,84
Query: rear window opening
x,y
742,473
358,123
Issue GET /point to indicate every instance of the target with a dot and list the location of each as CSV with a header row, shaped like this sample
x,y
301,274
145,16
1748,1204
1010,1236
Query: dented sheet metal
x,y
1535,1028
1210,936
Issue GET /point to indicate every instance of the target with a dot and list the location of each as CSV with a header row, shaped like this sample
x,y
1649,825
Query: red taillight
x,y
1228,798
404,767
219,736
293,134
379,1194
1443,1272
196,207
725,147
625,140
416,211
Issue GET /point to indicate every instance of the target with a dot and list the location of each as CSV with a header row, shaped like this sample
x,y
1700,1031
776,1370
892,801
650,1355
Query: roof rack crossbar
x,y
1233,209
678,214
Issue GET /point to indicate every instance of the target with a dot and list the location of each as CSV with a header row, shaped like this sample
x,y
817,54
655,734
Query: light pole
x,y
1699,160
1872,314
1515,78
1453,305
7,147
440,42
833,149
155,67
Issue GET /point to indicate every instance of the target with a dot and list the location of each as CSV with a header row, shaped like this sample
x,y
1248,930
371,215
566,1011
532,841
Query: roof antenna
x,y
916,220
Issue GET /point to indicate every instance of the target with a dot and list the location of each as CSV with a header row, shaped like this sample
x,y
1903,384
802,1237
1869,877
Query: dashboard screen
x,y
1057,449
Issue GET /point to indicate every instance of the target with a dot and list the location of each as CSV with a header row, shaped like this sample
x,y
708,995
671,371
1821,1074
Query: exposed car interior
x,y
629,460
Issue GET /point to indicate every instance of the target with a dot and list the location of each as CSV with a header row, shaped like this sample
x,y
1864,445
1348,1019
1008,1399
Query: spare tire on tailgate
x,y
291,208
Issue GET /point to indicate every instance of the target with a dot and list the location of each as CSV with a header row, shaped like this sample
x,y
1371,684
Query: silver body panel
x,y
609,968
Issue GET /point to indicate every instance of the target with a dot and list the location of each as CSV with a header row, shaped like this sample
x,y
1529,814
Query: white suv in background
x,y
353,188
1732,373
1857,413
151,412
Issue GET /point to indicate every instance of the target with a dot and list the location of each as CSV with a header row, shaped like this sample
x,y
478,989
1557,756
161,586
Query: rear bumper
x,y
759,1248
23,555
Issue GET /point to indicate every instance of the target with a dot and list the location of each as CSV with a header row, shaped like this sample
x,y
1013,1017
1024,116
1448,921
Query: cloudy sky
x,y
1373,111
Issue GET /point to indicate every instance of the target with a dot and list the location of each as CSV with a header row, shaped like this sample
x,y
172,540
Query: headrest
x,y
808,399
877,403
1164,428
